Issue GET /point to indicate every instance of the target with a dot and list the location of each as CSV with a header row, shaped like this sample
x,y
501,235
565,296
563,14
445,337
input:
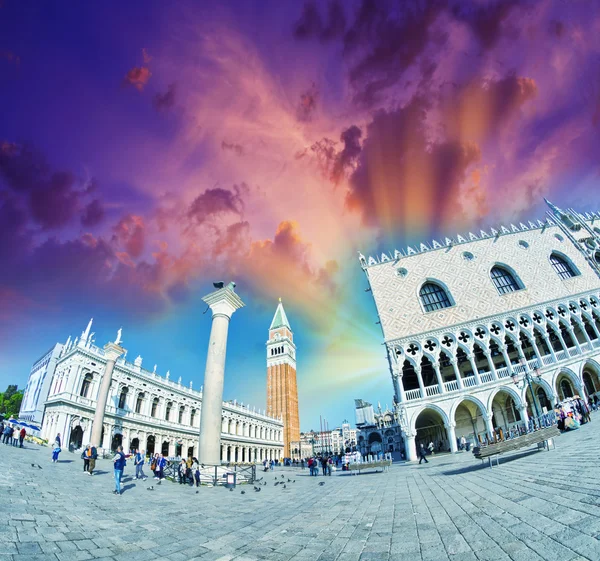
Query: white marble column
x,y
410,447
112,351
223,303
452,437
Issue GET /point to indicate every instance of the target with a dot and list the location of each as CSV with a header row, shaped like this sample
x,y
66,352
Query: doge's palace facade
x,y
145,410
464,320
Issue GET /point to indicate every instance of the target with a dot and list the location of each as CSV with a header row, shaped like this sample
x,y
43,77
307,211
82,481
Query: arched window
x,y
168,411
154,407
434,297
139,402
181,410
562,267
504,280
123,398
597,257
192,416
85,387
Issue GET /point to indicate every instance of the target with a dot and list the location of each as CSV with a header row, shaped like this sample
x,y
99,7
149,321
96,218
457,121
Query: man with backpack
x,y
119,463
92,455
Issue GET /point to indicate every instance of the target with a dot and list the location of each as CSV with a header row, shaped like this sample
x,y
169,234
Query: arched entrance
x,y
76,439
135,444
591,379
505,412
178,449
150,444
469,420
116,441
565,386
375,443
542,400
190,452
164,449
430,427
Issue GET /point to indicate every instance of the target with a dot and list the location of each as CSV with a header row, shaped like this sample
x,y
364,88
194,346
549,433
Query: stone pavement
x,y
536,505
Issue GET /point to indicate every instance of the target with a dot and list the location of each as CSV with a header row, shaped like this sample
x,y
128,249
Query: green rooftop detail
x,y
280,319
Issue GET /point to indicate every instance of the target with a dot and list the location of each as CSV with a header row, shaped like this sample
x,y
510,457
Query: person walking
x,y
56,449
7,434
119,465
430,448
422,454
15,436
196,472
139,461
182,468
22,436
86,459
92,457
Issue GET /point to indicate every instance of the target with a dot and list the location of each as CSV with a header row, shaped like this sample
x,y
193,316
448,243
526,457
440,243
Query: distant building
x,y
282,389
38,386
144,410
377,432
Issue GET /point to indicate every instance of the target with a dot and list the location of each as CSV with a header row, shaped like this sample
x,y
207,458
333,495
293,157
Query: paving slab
x,y
534,506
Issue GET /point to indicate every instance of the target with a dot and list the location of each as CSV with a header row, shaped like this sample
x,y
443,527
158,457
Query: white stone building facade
x,y
467,320
146,410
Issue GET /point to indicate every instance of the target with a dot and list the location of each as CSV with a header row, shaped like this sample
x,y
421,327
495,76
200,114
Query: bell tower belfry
x,y
282,390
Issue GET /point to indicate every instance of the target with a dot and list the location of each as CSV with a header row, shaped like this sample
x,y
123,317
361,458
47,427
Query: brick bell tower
x,y
282,391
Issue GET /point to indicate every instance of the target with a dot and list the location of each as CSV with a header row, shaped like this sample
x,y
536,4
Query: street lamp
x,y
528,378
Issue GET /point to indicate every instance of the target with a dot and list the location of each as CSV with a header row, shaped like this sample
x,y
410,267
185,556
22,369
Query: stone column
x,y
410,447
550,348
420,380
489,426
473,362
452,437
112,351
223,302
490,359
438,376
456,373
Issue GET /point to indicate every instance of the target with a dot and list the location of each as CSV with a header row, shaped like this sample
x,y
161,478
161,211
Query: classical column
x,y
471,358
452,437
507,360
489,426
420,379
456,373
438,375
106,440
524,416
490,359
112,351
550,347
223,302
410,446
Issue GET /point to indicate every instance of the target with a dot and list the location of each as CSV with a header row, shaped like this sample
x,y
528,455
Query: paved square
x,y
536,505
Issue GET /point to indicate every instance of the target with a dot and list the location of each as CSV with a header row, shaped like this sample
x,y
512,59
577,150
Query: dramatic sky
x,y
149,148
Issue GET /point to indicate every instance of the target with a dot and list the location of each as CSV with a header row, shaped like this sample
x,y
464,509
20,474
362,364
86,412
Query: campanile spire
x,y
282,390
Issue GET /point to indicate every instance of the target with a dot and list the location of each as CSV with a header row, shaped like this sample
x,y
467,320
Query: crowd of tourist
x,y
12,434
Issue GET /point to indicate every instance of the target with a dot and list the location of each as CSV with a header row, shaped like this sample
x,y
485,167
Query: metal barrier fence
x,y
214,475
535,423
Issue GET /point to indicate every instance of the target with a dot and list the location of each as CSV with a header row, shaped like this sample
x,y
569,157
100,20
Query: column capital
x,y
224,301
450,425
112,351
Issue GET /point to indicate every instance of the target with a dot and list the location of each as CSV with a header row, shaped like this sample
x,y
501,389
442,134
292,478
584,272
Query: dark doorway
x,y
76,440
150,444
